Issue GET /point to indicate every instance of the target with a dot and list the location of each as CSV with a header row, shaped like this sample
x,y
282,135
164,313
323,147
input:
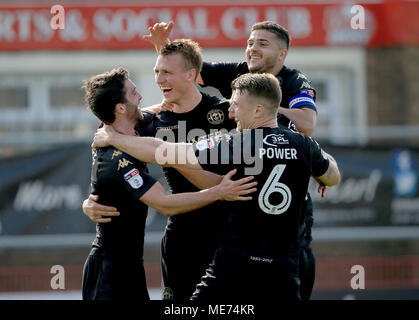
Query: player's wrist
x,y
113,138
218,193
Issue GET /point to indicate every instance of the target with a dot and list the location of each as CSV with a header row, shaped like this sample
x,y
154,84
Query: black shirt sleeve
x,y
300,91
319,160
129,174
145,127
220,75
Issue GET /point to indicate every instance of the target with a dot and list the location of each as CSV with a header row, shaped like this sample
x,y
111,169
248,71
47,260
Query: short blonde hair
x,y
260,85
189,49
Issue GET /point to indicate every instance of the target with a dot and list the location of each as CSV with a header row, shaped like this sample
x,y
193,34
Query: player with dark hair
x,y
267,48
258,255
114,269
189,240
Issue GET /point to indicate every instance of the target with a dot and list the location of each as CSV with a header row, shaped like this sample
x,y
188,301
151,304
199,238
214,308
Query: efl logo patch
x,y
133,178
275,139
205,144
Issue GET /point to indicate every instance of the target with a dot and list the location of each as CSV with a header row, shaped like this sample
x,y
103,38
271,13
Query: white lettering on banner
x,y
22,21
75,27
232,16
102,26
349,190
34,195
124,24
337,23
297,20
43,31
195,26
127,24
148,15
7,19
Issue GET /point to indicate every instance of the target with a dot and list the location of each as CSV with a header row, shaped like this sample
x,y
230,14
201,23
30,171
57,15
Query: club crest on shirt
x,y
167,294
275,140
215,116
133,178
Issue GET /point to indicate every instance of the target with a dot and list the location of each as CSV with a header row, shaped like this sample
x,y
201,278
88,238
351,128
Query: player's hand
x,y
103,137
97,212
159,34
322,189
236,190
166,106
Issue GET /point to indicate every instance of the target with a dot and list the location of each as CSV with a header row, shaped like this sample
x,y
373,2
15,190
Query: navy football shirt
x,y
282,162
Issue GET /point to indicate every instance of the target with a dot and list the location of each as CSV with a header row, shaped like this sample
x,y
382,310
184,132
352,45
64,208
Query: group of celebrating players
x,y
253,245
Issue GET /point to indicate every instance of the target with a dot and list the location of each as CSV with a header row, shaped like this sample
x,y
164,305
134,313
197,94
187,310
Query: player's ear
x,y
283,54
260,110
120,108
191,74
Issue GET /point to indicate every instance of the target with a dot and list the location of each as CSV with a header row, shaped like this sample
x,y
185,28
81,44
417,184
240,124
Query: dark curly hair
x,y
104,91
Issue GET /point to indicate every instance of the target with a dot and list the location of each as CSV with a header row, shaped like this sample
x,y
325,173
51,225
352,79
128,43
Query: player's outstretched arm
x,y
201,179
159,34
173,204
332,175
147,149
98,212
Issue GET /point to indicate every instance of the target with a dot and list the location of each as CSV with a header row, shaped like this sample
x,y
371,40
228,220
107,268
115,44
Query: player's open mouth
x,y
165,90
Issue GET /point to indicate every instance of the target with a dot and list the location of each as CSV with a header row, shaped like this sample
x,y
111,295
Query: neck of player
x,y
188,101
267,122
124,126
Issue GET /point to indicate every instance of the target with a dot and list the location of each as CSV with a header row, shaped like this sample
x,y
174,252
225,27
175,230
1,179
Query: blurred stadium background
x,y
368,103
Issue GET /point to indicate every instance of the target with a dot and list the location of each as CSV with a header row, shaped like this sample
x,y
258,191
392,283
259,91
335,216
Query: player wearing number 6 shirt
x,y
258,256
